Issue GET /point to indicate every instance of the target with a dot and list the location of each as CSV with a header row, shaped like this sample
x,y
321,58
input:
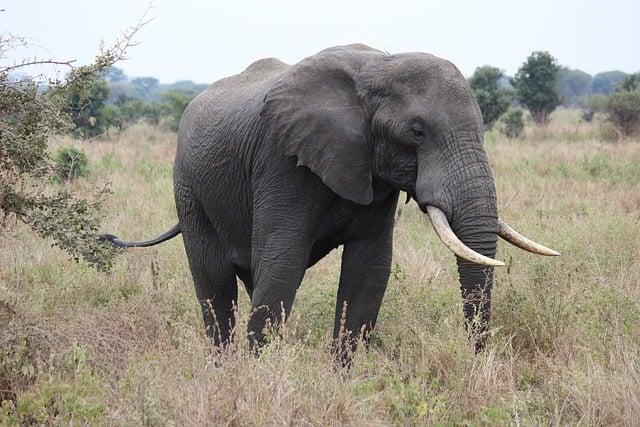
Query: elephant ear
x,y
314,113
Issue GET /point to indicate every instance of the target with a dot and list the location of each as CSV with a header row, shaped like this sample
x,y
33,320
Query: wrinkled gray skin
x,y
280,164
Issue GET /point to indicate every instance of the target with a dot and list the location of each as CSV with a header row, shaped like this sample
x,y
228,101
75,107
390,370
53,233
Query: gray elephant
x,y
280,164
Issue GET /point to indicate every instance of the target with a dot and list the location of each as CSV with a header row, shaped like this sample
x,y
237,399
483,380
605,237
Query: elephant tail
x,y
167,235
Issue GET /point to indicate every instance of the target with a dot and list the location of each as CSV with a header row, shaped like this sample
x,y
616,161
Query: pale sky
x,y
206,40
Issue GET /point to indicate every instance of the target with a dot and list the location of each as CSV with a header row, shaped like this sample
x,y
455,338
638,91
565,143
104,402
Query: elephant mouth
x,y
450,240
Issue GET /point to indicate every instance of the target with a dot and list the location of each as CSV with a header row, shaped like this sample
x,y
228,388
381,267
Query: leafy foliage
x,y
140,99
535,84
71,163
630,82
71,222
176,103
573,85
86,108
512,123
115,74
591,106
154,112
492,99
31,112
622,110
127,111
605,83
145,86
148,93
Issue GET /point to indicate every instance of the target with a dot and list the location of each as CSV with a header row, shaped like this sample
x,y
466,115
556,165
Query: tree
x,y
153,112
146,85
115,74
630,82
492,99
185,86
605,83
30,113
535,85
176,103
622,110
86,108
130,109
573,85
111,117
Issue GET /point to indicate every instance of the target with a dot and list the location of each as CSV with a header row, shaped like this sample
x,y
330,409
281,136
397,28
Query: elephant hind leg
x,y
213,274
217,293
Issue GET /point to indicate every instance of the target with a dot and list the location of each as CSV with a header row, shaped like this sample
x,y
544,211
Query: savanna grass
x,y
78,346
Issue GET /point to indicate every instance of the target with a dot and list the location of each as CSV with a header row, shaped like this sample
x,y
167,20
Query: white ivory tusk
x,y
517,239
451,241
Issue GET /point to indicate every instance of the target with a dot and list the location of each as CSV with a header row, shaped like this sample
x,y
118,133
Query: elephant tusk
x,y
517,239
451,241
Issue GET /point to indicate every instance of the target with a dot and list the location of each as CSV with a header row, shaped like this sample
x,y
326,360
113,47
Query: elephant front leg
x,y
277,276
286,214
366,265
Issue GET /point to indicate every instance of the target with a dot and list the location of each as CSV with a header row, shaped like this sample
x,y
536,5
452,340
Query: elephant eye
x,y
417,132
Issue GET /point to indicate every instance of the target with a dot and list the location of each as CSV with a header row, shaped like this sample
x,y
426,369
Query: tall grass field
x,y
85,348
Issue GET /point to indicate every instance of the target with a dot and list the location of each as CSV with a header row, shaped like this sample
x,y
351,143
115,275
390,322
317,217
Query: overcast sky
x,y
204,40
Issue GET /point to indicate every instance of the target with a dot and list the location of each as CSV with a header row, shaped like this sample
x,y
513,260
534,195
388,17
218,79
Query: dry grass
x,y
81,347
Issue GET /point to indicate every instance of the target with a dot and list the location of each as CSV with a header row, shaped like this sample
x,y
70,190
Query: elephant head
x,y
364,120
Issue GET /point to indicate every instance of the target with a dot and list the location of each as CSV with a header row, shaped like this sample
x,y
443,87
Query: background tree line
x,y
541,85
115,101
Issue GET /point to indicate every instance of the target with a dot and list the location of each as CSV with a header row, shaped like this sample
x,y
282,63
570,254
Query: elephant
x,y
278,165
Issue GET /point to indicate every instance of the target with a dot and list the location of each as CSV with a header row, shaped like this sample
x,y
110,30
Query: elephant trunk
x,y
461,202
476,281
477,227
475,223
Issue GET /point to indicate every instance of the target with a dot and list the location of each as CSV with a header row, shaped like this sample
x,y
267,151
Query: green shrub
x,y
71,163
591,106
130,110
512,123
176,102
622,110
153,112
630,83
